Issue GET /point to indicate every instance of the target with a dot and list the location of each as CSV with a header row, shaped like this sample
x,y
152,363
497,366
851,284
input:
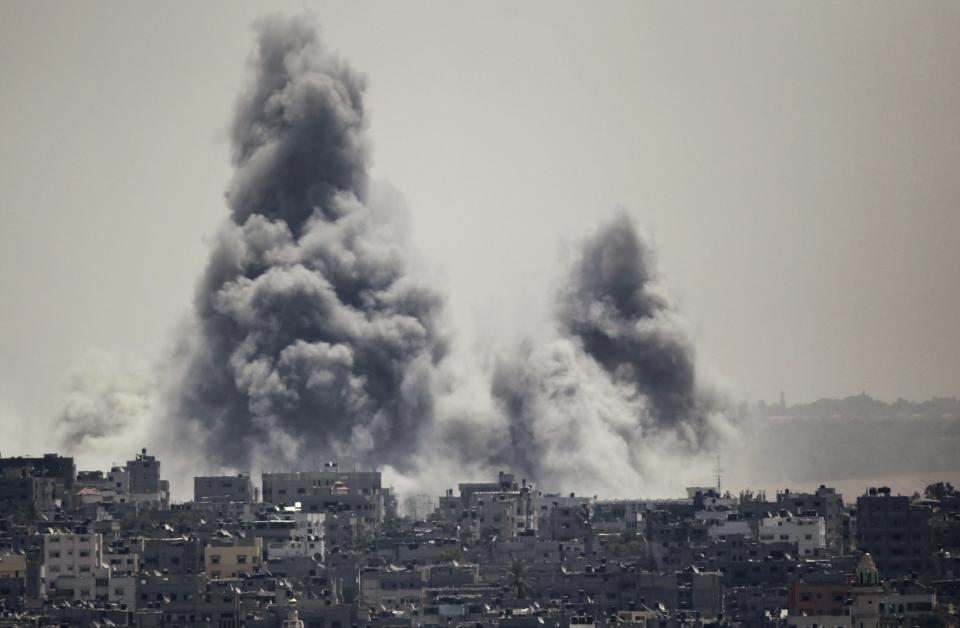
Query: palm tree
x,y
516,575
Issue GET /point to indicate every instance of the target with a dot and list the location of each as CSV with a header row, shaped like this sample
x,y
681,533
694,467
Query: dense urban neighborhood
x,y
334,548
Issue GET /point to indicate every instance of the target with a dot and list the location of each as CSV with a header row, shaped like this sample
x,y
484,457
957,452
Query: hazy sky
x,y
798,165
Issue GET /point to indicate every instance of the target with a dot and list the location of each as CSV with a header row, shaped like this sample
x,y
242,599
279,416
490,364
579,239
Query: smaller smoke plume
x,y
613,403
617,306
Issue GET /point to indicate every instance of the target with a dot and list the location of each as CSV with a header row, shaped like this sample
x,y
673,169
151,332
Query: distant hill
x,y
850,438
864,406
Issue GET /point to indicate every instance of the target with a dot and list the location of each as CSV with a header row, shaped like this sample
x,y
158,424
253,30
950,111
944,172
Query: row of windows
x,y
56,539
57,569
241,559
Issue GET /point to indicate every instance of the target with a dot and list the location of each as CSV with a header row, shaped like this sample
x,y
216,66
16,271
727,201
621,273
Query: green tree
x,y
451,555
516,575
939,490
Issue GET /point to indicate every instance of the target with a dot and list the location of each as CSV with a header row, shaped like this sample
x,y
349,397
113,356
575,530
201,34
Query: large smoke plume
x,y
314,337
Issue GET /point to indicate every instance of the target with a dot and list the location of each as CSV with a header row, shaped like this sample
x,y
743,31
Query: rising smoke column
x,y
616,305
314,337
611,402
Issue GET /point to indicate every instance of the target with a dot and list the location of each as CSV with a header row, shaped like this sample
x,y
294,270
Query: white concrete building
x,y
290,533
809,533
506,513
70,554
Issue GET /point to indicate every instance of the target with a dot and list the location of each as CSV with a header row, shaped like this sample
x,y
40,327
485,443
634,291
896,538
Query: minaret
x,y
293,618
867,593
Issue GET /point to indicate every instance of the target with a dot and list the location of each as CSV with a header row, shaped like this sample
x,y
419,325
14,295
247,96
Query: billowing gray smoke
x,y
616,306
615,393
314,337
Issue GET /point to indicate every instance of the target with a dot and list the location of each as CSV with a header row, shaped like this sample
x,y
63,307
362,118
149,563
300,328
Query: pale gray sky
x,y
797,163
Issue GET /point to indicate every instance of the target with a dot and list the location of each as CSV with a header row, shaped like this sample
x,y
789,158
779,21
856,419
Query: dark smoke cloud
x,y
616,306
314,337
298,130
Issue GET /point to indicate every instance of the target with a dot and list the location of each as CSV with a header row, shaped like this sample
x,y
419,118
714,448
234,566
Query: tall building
x,y
824,502
895,533
144,473
145,485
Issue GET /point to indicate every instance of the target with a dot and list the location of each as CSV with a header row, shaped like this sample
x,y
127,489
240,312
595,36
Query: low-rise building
x,y
224,488
808,533
71,554
229,558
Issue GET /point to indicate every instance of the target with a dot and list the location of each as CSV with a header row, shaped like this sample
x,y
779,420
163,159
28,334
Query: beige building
x,y
229,559
13,565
